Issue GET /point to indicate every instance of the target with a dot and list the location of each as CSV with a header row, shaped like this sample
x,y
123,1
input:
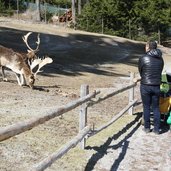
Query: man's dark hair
x,y
152,44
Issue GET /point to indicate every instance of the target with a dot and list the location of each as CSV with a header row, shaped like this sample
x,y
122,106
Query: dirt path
x,y
100,61
134,150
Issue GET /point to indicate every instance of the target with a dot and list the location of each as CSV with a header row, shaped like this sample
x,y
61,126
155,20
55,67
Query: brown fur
x,y
16,62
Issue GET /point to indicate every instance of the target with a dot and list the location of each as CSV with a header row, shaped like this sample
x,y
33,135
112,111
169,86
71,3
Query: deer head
x,y
35,67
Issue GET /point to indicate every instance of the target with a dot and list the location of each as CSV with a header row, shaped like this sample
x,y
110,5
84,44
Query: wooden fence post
x,y
131,93
83,113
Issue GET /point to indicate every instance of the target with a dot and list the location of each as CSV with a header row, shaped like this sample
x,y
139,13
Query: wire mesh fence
x,y
28,11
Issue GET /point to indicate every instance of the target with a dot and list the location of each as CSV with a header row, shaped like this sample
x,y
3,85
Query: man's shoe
x,y
156,132
146,130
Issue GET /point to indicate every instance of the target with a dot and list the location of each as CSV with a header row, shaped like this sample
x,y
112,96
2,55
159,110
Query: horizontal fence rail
x,y
112,93
116,117
23,126
63,150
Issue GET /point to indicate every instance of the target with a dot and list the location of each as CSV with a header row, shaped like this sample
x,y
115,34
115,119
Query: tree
x,y
156,17
125,18
2,5
73,12
38,18
79,7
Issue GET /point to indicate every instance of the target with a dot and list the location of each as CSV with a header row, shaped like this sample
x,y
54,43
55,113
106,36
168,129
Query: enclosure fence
x,y
85,131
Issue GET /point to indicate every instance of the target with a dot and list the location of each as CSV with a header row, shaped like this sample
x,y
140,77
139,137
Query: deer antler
x,y
35,62
26,42
40,63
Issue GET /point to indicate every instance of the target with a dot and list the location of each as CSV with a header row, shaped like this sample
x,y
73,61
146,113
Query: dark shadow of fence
x,y
102,150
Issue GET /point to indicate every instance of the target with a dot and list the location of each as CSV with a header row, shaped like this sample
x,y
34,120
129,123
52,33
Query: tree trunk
x,y
38,10
79,7
73,12
159,38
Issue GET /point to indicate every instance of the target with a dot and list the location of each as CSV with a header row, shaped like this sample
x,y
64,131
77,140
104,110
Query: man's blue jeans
x,y
150,98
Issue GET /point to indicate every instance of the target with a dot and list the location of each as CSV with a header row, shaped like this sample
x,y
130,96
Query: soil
x,y
100,61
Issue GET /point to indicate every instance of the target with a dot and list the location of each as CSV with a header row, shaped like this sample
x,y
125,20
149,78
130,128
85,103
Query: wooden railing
x,y
26,125
86,100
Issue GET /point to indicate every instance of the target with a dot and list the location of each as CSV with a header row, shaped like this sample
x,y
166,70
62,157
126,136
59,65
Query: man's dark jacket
x,y
150,67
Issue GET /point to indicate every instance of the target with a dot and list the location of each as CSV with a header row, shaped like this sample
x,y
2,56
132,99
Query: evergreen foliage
x,y
136,19
2,6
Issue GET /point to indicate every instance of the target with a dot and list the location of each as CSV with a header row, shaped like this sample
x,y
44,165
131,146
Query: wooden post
x,y
83,113
131,93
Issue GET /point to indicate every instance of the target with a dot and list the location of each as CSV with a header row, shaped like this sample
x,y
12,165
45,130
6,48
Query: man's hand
x,y
135,80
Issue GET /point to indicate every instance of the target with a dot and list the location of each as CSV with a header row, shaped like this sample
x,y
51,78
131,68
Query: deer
x,y
22,65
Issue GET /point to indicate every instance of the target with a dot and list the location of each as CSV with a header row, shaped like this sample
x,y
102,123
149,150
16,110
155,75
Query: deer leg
x,y
18,79
3,74
23,80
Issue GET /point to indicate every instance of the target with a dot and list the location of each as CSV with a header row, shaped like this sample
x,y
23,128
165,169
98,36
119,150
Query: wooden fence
x,y
85,131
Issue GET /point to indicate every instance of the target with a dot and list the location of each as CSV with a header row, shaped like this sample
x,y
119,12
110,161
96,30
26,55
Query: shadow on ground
x,y
74,54
124,143
101,151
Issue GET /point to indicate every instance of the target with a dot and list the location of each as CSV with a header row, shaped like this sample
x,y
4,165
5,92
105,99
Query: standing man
x,y
150,67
